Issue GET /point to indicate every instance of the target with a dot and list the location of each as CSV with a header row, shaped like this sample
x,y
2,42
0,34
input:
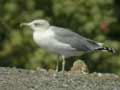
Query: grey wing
x,y
74,40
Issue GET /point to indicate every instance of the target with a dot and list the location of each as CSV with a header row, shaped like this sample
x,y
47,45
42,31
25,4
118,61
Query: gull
x,y
62,41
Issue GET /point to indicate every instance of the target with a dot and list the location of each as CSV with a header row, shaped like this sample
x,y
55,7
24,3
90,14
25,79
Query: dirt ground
x,y
20,79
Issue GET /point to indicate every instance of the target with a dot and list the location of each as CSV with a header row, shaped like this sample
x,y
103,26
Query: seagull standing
x,y
62,41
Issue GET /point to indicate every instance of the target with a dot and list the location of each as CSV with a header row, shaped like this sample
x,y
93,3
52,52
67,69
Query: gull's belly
x,y
48,42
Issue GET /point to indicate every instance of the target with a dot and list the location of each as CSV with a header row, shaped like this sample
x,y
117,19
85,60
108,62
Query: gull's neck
x,y
43,29
43,33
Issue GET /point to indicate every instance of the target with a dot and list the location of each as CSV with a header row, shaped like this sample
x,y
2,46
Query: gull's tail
x,y
107,49
101,47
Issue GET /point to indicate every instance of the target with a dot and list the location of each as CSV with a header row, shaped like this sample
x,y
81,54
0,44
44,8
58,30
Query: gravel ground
x,y
20,79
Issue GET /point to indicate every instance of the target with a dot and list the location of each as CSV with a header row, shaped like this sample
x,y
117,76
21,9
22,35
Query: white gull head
x,y
37,25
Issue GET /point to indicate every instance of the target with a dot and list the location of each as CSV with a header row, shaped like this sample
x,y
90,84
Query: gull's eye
x,y
37,24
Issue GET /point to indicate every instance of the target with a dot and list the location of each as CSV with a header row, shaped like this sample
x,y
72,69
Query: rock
x,y
79,67
20,79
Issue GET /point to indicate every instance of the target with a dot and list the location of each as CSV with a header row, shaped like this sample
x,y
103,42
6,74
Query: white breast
x,y
42,38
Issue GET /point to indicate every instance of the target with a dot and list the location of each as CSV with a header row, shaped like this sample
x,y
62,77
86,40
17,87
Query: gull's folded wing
x,y
74,40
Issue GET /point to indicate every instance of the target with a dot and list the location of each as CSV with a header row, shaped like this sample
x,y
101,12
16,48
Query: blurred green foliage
x,y
92,18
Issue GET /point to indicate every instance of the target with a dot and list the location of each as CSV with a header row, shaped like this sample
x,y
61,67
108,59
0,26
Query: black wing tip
x,y
108,49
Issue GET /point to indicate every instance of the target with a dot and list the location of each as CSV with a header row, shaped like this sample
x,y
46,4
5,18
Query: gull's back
x,y
76,41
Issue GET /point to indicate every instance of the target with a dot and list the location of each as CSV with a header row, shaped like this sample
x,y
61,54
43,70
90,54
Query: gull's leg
x,y
63,64
57,66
